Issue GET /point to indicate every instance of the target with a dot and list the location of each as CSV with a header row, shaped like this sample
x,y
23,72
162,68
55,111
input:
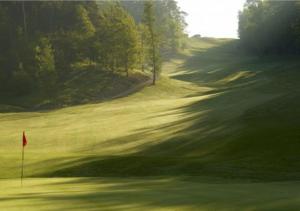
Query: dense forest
x,y
270,27
44,43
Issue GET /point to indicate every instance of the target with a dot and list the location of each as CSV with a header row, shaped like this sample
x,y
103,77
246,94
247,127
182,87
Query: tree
x,y
84,24
24,18
170,22
143,54
22,82
270,27
149,22
130,43
45,62
4,47
119,38
51,42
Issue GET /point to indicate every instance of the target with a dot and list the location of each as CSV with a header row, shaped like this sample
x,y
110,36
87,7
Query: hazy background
x,y
212,18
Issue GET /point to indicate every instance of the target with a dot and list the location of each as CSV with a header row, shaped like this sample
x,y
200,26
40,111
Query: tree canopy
x,y
270,27
44,43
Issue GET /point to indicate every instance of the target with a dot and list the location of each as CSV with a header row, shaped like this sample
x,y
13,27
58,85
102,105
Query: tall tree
x,y
170,22
130,44
59,40
270,27
120,39
149,22
142,45
45,73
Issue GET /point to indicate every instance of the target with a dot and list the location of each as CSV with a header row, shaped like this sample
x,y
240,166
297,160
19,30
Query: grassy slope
x,y
80,87
215,112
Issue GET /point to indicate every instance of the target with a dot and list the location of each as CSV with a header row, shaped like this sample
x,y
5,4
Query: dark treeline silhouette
x,y
44,43
270,27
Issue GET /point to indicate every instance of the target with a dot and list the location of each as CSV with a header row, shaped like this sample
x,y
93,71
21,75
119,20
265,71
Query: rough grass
x,y
80,87
215,112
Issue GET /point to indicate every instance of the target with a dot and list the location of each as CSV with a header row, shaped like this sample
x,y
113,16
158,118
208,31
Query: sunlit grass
x,y
147,194
213,113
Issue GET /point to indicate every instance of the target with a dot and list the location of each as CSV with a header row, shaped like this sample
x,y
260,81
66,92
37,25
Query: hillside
x,y
81,87
218,131
61,53
215,112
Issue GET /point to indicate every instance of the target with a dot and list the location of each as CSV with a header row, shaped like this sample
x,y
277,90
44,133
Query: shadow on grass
x,y
82,88
155,193
223,143
245,129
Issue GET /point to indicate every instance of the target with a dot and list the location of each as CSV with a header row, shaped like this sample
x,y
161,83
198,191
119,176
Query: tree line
x,y
43,43
270,27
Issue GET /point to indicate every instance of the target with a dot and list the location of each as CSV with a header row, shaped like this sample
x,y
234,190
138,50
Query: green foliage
x,y
45,71
21,82
154,39
170,22
119,34
84,25
268,27
55,41
143,46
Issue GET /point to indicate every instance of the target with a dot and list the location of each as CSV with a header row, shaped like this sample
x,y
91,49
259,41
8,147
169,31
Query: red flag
x,y
24,139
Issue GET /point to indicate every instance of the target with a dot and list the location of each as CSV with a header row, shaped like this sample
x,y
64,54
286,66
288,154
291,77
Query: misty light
x,y
212,18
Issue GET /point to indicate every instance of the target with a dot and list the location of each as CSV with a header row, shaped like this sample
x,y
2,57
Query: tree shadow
x,y
88,87
154,193
241,129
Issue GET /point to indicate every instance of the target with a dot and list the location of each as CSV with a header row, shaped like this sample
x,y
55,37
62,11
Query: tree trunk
x,y
153,57
154,64
127,71
24,19
142,54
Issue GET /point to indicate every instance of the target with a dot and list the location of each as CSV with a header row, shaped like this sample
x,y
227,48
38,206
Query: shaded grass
x,y
81,87
214,112
214,134
163,193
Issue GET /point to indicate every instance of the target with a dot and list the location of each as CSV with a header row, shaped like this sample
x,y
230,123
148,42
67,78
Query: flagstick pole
x,y
22,171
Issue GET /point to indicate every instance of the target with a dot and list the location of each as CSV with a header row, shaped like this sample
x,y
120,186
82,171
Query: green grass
x,y
151,194
77,88
215,112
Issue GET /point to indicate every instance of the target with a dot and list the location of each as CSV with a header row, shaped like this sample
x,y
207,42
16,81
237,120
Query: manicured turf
x,y
151,194
215,112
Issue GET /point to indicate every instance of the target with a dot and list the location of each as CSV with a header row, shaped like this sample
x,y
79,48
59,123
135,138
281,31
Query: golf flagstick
x,y
24,142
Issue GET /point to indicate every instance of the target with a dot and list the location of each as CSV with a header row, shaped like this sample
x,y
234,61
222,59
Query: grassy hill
x,y
215,113
80,87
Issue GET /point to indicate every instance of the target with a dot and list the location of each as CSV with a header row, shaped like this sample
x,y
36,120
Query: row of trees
x,y
169,21
270,27
44,43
